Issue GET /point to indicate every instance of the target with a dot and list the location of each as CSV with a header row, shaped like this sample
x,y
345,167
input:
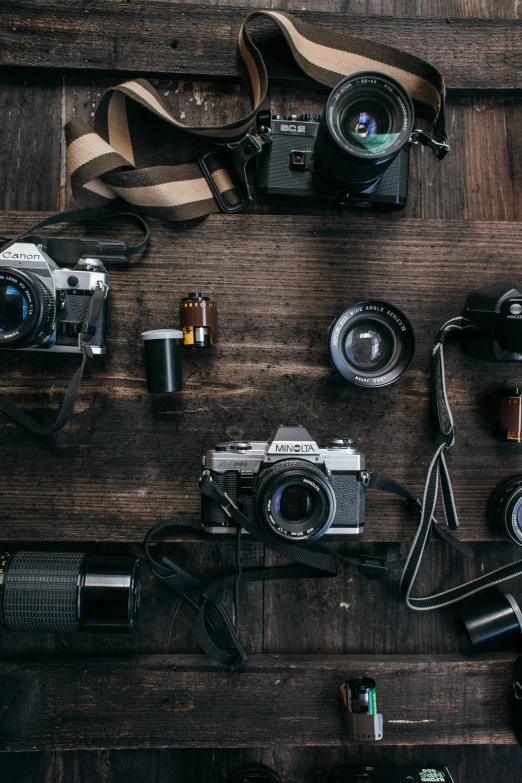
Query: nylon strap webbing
x,y
102,160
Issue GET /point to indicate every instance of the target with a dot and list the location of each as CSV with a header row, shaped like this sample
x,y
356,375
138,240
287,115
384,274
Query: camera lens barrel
x,y
67,592
368,119
27,310
371,343
295,500
505,508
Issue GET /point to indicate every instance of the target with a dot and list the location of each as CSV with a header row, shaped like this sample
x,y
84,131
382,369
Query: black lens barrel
x,y
505,508
337,165
66,592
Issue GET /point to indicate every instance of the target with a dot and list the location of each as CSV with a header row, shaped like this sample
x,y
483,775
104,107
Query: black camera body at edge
x,y
285,168
496,313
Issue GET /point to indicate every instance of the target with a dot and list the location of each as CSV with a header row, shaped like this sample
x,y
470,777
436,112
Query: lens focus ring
x,y
40,592
295,500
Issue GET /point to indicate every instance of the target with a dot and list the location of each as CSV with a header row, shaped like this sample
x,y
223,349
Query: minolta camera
x,y
289,485
495,312
43,306
356,154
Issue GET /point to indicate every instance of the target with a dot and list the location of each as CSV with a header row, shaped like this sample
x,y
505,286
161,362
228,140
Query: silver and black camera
x,y
289,485
43,306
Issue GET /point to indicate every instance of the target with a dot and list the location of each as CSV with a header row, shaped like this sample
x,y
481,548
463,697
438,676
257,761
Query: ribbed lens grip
x,y
40,591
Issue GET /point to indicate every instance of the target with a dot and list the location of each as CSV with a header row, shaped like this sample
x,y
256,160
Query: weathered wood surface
x,y
193,41
467,764
183,701
127,458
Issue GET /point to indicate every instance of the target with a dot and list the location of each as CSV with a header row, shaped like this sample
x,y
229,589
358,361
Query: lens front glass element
x,y
294,503
370,117
367,124
370,345
13,308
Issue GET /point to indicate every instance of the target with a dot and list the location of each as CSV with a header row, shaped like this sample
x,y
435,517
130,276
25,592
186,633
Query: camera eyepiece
x,y
371,343
68,592
505,508
27,310
368,119
295,500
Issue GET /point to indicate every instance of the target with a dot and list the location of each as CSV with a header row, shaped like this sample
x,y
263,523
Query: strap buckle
x,y
372,568
231,504
236,158
439,148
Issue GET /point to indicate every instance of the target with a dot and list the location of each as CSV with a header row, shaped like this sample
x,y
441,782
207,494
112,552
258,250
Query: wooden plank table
x,y
148,706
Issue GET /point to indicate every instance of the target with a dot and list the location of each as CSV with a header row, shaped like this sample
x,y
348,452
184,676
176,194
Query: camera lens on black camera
x,y
295,500
505,508
368,119
65,592
27,310
371,343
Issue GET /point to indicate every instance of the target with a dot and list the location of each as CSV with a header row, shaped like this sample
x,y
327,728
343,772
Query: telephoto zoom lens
x,y
67,592
368,119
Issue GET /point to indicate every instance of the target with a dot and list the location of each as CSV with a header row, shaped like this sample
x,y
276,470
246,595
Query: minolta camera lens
x,y
368,120
67,592
505,508
289,485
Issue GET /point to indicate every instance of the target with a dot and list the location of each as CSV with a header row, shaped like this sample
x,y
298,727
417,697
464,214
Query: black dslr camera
x,y
496,313
43,306
289,485
356,154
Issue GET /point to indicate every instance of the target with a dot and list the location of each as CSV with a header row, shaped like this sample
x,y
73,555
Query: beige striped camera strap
x,y
102,159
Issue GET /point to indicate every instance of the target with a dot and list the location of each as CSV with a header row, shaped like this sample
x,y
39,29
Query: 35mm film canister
x,y
489,627
198,319
361,720
163,356
509,415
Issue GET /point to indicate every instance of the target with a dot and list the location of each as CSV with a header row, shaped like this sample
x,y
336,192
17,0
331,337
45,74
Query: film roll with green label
x,y
359,709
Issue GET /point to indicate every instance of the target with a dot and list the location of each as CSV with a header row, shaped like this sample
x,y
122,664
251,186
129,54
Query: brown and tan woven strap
x,y
102,159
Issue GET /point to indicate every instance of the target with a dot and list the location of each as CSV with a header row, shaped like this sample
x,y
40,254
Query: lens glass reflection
x,y
13,308
294,503
369,345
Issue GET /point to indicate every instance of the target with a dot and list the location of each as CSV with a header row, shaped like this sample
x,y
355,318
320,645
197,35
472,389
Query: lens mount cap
x,y
371,343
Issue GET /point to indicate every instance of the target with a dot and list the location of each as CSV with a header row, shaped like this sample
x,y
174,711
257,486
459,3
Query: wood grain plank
x,y
271,365
175,701
31,111
192,41
298,765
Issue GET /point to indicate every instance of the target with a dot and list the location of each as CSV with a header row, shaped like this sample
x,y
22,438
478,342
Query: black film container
x,y
163,359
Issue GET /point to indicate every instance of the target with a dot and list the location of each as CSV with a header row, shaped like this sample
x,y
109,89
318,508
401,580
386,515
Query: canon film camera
x,y
356,154
289,485
43,306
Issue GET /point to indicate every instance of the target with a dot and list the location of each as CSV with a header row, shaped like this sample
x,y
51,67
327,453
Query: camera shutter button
x,y
239,446
342,443
515,308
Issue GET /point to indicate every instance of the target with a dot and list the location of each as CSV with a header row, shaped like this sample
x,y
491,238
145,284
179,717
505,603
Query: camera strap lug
x,y
236,158
439,148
